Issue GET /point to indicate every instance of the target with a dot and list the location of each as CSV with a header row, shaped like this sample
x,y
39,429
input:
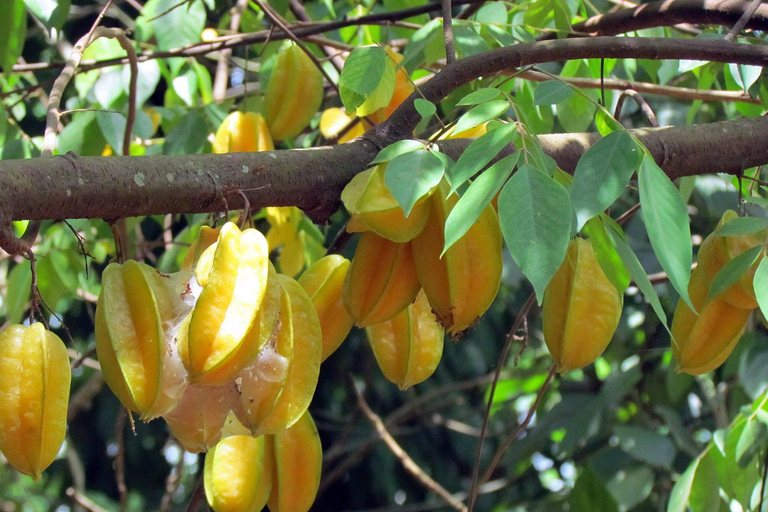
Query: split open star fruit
x,y
233,274
135,306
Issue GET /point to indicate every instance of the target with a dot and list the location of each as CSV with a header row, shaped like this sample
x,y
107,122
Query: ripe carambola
x,y
294,93
703,342
129,336
34,394
370,203
462,284
297,314
234,276
408,347
238,474
581,309
381,281
324,281
242,132
297,465
716,251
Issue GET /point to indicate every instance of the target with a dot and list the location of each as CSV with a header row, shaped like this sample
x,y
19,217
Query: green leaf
x,y
13,32
480,114
468,41
479,153
742,226
112,126
426,45
367,81
751,441
666,220
424,108
176,25
480,96
18,292
398,148
188,136
577,112
551,92
479,195
745,75
535,215
607,255
646,446
411,175
590,495
52,13
602,174
636,270
761,286
732,271
697,488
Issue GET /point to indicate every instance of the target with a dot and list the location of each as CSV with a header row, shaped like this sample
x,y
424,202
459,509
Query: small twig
x,y
301,14
197,496
76,469
450,53
120,458
221,78
170,9
624,217
83,500
172,482
82,359
275,18
645,108
408,463
742,22
473,489
503,448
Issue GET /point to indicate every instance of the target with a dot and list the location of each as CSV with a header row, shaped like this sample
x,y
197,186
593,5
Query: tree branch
x,y
312,179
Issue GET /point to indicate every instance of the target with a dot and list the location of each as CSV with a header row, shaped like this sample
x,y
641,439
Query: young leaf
x,y
367,81
479,195
424,108
732,271
535,215
602,174
480,114
638,273
480,96
479,153
551,92
666,220
411,175
398,148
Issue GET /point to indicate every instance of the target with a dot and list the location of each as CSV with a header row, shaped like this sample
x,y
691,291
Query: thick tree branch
x,y
312,179
97,187
667,14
